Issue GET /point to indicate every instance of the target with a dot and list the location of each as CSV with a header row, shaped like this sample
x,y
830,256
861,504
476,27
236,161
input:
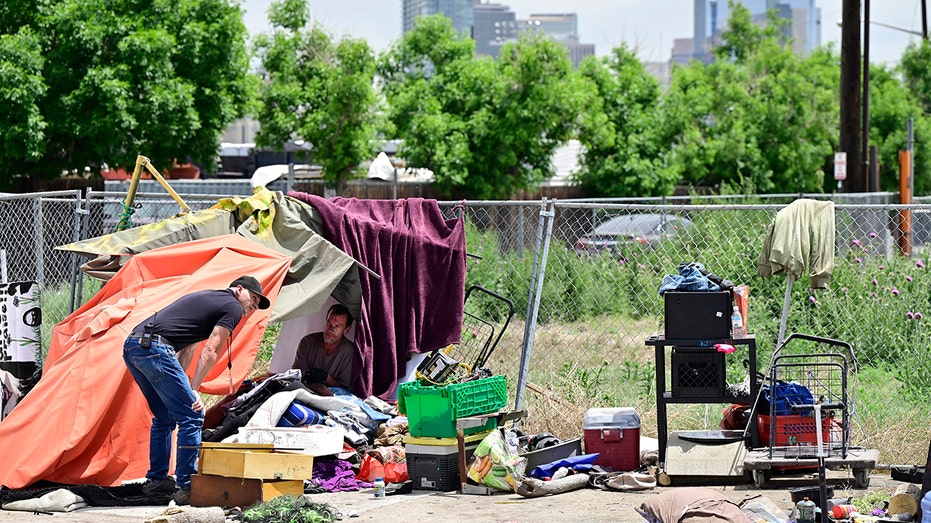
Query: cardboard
x,y
212,491
259,462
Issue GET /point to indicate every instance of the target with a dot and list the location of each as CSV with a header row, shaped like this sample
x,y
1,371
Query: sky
x,y
650,26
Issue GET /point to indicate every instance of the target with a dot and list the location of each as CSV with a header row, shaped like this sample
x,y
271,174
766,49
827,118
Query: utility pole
x,y
850,123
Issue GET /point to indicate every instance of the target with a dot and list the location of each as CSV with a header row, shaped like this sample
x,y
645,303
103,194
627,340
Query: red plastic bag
x,y
388,463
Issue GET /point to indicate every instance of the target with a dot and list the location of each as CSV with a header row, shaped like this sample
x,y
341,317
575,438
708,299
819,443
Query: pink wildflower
x,y
857,243
917,315
812,299
895,291
875,281
919,264
872,235
858,260
910,315
908,278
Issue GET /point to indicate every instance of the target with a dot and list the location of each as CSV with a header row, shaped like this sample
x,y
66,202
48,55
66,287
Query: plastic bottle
x,y
805,511
379,488
843,511
926,508
737,324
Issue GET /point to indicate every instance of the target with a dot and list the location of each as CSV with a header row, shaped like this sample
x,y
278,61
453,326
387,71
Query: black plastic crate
x,y
698,372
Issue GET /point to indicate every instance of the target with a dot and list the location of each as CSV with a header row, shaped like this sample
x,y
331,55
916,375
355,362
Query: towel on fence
x,y
801,235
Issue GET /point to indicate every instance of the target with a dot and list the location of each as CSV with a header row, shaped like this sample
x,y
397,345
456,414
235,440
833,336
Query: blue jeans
x,y
167,390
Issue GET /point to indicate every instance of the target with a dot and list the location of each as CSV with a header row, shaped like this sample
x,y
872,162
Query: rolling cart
x,y
483,324
807,424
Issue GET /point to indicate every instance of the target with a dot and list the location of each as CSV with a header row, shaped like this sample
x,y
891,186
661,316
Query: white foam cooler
x,y
317,440
614,433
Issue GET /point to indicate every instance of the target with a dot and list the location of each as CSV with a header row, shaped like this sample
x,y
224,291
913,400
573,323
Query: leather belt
x,y
155,339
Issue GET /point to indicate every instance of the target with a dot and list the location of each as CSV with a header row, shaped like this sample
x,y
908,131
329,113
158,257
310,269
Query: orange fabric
x,y
86,422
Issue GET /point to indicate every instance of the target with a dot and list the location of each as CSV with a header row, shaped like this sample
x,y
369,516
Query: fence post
x,y
536,289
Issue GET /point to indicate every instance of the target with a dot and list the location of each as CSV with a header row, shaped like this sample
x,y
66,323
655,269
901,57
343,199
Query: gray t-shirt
x,y
311,355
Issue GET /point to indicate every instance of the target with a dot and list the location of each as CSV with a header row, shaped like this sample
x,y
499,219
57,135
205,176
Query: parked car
x,y
631,229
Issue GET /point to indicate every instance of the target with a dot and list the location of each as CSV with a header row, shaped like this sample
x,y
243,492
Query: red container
x,y
793,430
614,433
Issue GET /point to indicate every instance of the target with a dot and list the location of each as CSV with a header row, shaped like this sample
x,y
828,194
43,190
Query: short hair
x,y
339,309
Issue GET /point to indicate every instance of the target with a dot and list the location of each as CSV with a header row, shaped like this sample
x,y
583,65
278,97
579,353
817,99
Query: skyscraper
x,y
711,20
461,12
495,24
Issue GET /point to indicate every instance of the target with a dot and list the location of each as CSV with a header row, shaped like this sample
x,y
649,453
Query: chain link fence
x,y
585,291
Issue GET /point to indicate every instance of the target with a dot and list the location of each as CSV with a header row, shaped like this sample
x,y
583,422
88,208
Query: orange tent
x,y
86,422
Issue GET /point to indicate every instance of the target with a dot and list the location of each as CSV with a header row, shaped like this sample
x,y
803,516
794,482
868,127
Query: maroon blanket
x,y
417,304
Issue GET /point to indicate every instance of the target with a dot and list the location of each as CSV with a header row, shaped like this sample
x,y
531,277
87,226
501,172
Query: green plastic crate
x,y
432,410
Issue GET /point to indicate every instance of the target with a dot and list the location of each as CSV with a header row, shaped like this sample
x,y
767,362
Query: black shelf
x,y
665,397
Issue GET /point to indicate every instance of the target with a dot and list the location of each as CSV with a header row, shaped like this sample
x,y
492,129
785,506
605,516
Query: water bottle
x,y
737,324
805,511
379,488
926,508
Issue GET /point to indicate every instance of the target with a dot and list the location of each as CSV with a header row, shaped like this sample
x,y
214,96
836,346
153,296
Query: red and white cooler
x,y
614,433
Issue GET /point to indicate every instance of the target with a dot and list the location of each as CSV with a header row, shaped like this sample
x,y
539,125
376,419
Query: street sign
x,y
840,166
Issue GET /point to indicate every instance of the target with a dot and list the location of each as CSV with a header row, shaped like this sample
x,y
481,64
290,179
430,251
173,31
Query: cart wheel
x,y
760,477
861,478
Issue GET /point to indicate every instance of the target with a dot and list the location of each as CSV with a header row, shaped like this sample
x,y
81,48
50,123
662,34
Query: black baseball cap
x,y
251,284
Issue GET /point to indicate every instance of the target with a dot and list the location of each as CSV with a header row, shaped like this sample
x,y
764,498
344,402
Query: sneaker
x,y
182,497
165,486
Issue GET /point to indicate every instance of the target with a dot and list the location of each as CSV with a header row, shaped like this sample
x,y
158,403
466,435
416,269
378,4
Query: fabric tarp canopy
x,y
85,421
271,219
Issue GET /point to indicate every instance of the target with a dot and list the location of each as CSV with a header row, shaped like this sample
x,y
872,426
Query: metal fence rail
x,y
583,309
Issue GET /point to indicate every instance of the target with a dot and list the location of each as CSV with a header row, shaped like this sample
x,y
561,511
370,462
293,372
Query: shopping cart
x,y
804,411
485,318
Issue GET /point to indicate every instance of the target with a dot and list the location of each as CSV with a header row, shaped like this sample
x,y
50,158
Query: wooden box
x,y
257,461
220,491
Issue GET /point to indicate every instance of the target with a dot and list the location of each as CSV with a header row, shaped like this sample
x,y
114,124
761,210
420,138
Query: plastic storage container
x,y
433,410
433,463
614,433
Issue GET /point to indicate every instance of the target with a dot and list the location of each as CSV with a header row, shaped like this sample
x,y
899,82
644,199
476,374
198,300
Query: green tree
x,y
891,105
317,90
623,155
758,119
161,78
916,73
485,128
22,126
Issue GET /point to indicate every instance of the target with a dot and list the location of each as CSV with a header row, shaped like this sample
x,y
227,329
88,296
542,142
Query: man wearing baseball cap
x,y
158,351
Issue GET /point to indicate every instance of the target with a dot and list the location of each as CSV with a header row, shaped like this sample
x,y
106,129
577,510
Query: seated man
x,y
325,358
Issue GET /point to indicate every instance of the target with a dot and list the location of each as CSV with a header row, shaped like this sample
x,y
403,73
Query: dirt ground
x,y
584,505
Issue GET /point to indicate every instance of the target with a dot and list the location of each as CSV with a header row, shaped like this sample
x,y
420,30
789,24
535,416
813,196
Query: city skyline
x,y
649,26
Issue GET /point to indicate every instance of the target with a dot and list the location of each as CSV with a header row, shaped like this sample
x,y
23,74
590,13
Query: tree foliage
x,y
162,78
486,128
891,106
317,90
623,151
758,119
22,138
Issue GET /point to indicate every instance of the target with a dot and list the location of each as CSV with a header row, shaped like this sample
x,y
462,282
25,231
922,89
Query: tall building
x,y
711,17
492,25
495,25
563,28
461,12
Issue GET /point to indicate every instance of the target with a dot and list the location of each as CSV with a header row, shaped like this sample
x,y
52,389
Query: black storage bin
x,y
698,315
698,372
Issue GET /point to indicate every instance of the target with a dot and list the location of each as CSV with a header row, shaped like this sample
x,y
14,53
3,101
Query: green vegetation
x,y
596,312
317,90
94,81
88,82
